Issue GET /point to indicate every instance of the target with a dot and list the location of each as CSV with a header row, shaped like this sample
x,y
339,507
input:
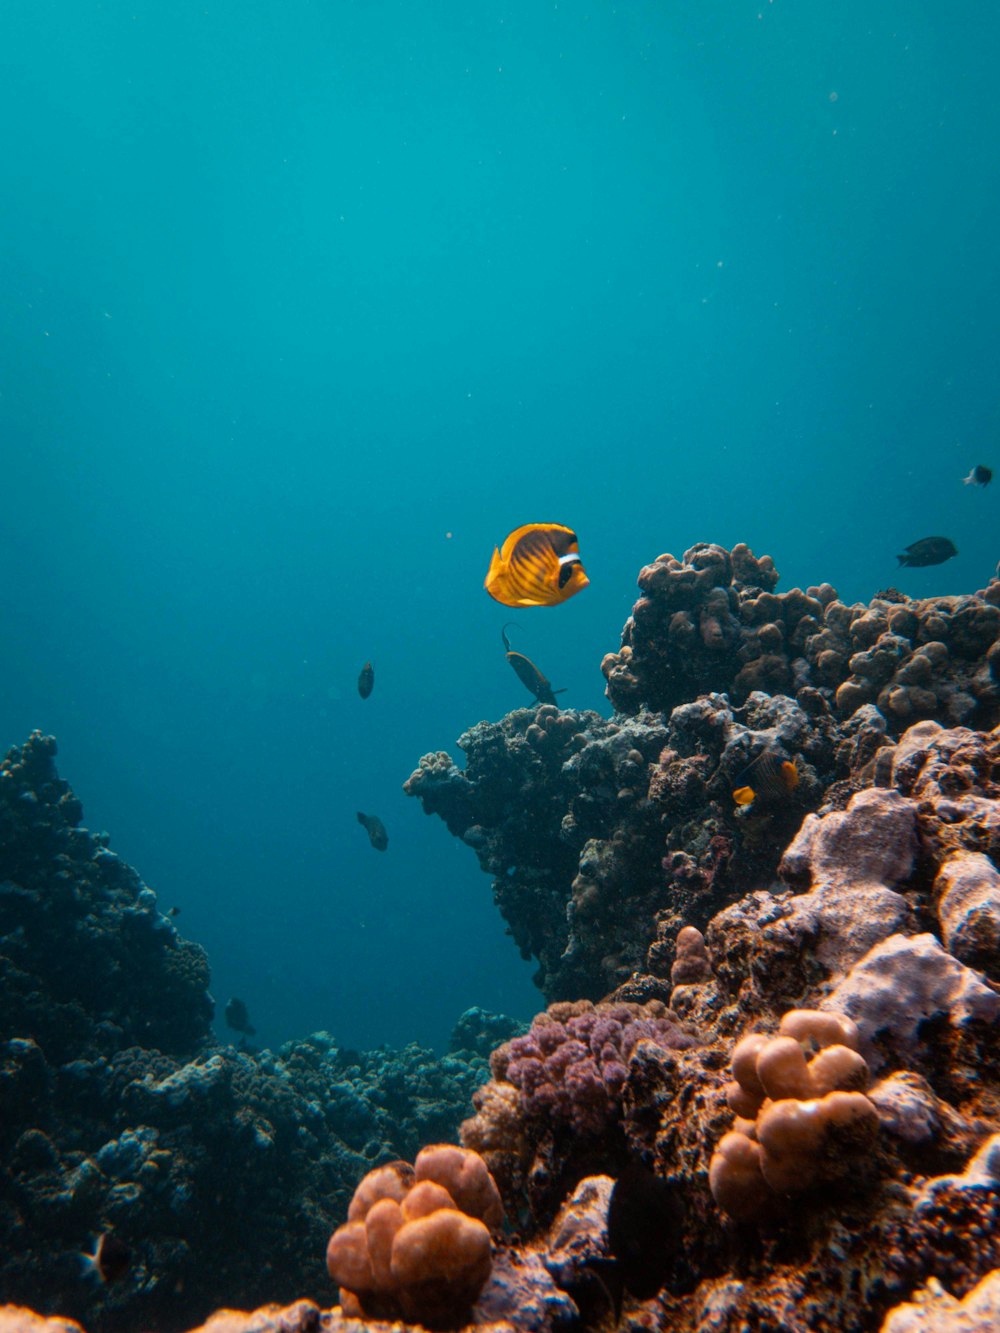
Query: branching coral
x,y
571,1066
555,1104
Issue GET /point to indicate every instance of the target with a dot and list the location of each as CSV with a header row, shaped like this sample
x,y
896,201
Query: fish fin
x,y
562,691
495,569
503,633
744,795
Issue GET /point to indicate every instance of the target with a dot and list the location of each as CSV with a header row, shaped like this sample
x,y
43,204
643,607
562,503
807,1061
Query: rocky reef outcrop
x,y
712,621
604,836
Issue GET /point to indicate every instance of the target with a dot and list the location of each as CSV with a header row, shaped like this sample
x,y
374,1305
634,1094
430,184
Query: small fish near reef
x,y
377,835
238,1018
109,1260
928,551
529,675
981,475
366,680
768,780
537,565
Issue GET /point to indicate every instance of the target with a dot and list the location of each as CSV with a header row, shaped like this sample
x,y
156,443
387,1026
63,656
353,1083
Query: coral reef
x,y
935,1311
605,837
782,1017
119,1111
712,622
555,1103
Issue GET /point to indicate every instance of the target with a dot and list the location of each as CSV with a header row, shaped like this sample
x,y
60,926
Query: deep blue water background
x,y
304,306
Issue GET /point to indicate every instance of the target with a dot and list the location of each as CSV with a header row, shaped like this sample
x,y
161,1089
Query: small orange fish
x,y
538,565
774,780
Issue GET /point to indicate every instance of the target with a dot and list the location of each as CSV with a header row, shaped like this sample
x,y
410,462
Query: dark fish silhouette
x,y
928,551
769,778
645,1221
366,680
377,835
110,1260
237,1017
979,476
174,911
528,674
538,565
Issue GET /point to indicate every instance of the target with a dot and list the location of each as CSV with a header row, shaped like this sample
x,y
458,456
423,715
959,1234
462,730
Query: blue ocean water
x,y
303,307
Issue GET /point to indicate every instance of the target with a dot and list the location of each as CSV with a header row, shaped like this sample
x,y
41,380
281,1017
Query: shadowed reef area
x,y
785,1012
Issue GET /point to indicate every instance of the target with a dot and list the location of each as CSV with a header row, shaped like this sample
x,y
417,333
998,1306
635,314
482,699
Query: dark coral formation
x,y
125,977
223,1170
604,837
712,621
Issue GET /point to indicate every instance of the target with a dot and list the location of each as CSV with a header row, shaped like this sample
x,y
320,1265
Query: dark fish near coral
x,y
979,476
645,1221
110,1260
928,551
768,779
238,1018
538,565
366,680
174,911
377,835
529,675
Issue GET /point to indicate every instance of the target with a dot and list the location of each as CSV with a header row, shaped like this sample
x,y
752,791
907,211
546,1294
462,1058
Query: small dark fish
x,y
174,911
237,1017
528,674
366,680
928,551
979,476
537,565
645,1221
110,1260
377,835
768,779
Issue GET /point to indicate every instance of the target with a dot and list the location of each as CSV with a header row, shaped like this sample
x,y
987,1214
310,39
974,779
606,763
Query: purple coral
x,y
572,1064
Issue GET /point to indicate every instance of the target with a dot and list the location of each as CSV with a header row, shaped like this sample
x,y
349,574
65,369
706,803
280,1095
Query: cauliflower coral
x,y
800,1122
416,1243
